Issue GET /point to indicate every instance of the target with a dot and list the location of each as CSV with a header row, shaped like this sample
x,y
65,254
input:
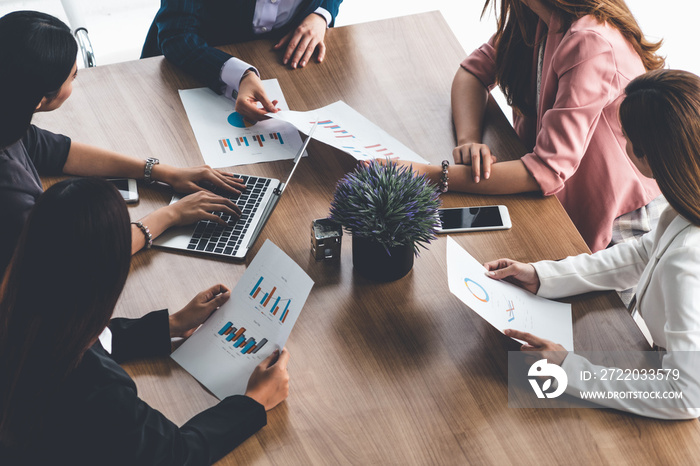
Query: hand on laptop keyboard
x,y
212,237
204,205
193,179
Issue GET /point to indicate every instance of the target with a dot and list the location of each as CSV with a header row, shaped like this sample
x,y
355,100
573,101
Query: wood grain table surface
x,y
397,373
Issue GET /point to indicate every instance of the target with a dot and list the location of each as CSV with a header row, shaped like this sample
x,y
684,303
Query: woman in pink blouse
x,y
563,66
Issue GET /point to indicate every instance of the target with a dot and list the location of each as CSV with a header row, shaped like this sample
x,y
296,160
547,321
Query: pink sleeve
x,y
585,66
482,64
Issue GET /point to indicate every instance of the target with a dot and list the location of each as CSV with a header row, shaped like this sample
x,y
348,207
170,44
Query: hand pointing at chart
x,y
251,92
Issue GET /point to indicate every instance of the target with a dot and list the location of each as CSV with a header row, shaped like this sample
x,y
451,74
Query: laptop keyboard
x,y
211,237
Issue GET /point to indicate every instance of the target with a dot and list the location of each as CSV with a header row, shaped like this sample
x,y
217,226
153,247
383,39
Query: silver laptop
x,y
256,203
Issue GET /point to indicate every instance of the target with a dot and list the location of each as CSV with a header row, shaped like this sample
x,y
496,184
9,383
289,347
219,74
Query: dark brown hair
x,y
661,117
515,41
57,296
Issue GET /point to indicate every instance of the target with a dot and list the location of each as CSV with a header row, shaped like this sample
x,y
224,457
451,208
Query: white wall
x,y
118,27
674,20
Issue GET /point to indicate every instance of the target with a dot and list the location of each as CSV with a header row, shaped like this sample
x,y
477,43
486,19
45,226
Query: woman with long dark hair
x,y
563,65
37,55
661,119
63,397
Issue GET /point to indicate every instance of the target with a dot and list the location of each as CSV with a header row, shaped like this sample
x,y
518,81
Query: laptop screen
x,y
297,158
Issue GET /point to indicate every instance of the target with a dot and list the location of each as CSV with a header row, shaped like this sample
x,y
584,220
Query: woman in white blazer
x,y
661,120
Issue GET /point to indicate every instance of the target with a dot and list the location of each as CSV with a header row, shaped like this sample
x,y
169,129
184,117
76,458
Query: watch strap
x,y
148,169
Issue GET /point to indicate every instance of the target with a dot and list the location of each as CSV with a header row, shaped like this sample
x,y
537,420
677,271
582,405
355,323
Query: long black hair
x,y
37,54
58,295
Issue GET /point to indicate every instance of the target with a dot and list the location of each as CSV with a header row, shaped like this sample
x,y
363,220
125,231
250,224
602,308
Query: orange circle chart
x,y
483,296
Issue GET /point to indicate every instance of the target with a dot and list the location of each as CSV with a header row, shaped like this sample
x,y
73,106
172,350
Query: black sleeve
x,y
15,206
128,431
47,150
331,6
146,337
180,38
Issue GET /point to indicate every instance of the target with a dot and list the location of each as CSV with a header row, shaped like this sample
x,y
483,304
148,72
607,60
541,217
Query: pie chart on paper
x,y
237,120
226,139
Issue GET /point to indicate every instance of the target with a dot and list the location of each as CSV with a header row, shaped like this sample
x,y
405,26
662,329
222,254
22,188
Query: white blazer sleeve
x,y
680,282
615,268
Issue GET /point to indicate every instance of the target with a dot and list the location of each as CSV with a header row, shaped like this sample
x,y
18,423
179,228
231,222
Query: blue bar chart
x,y
237,337
267,298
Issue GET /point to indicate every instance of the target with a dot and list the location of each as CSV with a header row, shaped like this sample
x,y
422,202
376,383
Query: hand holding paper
x,y
504,305
227,138
247,330
517,273
269,382
184,322
553,352
252,101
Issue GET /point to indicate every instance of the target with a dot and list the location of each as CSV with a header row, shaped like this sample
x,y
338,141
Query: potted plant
x,y
390,212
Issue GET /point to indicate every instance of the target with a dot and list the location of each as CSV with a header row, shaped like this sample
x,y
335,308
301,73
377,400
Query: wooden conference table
x,y
398,373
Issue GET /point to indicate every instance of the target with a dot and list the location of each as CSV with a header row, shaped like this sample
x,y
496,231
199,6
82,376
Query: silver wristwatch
x,y
150,162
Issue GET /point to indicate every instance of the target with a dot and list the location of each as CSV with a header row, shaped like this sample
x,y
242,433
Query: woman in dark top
x,y
63,397
37,55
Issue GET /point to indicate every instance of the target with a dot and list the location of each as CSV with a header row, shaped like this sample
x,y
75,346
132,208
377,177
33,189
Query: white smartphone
x,y
490,217
127,188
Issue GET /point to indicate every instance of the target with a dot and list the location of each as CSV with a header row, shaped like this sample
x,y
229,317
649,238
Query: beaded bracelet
x,y
146,232
444,178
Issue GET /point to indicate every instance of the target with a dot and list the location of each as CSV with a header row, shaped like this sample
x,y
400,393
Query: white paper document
x,y
226,139
342,127
255,321
505,305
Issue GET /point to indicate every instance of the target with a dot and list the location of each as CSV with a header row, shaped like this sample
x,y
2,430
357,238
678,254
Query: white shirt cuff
x,y
326,15
231,74
106,339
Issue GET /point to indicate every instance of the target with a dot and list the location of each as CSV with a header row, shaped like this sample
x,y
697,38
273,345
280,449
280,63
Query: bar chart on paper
x,y
256,320
267,298
351,143
226,138
344,128
238,339
256,140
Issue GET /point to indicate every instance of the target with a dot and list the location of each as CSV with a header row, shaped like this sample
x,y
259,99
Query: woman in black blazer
x,y
63,397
